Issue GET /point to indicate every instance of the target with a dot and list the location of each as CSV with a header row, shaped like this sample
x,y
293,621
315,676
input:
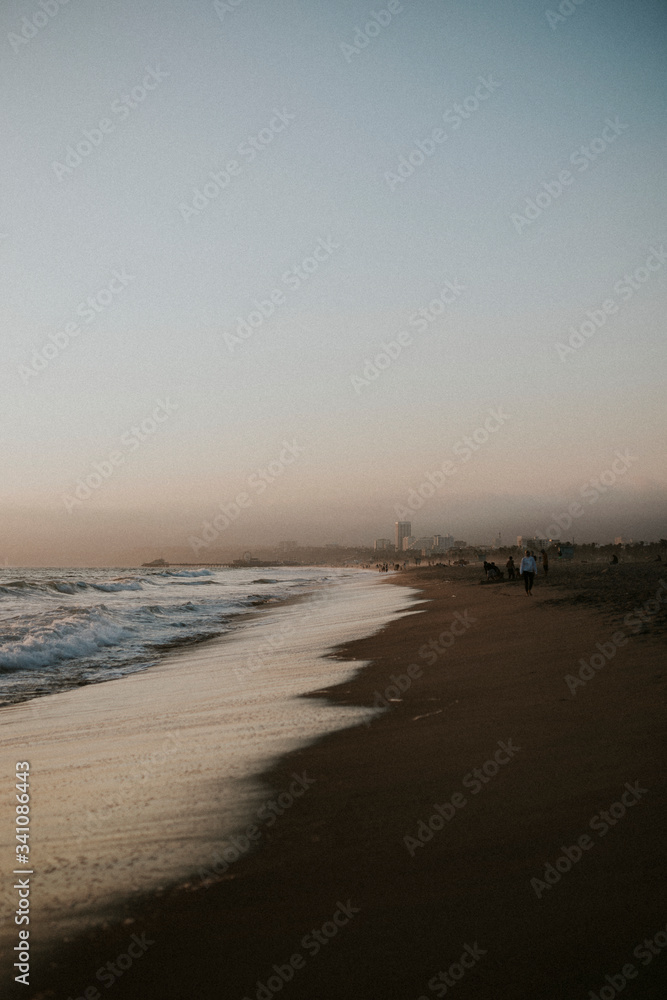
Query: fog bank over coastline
x,y
101,537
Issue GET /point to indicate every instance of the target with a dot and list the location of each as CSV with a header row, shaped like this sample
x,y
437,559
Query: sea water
x,y
61,628
148,704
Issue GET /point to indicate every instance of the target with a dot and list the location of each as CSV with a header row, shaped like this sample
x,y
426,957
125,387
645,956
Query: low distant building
x,y
533,543
408,542
383,544
622,541
423,545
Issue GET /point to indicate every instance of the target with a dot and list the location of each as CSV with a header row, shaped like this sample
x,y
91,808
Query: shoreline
x,y
136,781
154,655
470,881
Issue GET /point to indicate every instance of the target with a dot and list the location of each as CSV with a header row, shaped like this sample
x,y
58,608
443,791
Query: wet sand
x,y
336,902
137,782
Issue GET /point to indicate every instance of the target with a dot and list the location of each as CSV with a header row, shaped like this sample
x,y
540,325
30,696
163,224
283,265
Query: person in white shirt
x,y
528,569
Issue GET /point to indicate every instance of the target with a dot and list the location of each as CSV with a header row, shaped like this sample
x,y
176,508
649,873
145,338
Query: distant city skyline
x,y
174,551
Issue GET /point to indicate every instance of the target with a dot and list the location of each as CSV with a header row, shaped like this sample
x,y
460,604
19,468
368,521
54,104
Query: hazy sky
x,y
352,188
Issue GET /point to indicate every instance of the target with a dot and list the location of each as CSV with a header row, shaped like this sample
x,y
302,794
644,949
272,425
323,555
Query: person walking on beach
x,y
545,564
511,568
528,569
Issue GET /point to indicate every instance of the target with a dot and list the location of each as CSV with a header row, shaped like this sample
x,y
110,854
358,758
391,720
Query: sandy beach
x,y
492,833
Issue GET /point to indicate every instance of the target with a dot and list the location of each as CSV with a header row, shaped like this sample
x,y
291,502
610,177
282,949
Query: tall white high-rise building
x,y
403,530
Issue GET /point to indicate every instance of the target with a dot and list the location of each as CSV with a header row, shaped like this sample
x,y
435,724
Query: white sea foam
x,y
55,633
159,769
188,572
68,640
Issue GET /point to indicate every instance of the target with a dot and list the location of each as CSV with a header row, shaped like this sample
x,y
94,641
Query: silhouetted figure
x,y
545,564
511,568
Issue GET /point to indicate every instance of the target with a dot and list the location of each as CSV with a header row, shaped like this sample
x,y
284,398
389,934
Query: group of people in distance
x,y
527,569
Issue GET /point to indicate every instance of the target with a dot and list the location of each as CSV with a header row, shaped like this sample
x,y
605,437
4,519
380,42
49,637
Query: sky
x,y
216,218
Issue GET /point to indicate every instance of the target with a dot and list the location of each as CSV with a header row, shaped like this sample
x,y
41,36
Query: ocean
x,y
64,628
149,703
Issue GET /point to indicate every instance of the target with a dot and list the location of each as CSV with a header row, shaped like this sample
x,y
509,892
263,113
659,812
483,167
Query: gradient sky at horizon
x,y
323,178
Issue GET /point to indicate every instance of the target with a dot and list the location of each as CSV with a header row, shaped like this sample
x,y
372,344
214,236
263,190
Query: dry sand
x,y
500,683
